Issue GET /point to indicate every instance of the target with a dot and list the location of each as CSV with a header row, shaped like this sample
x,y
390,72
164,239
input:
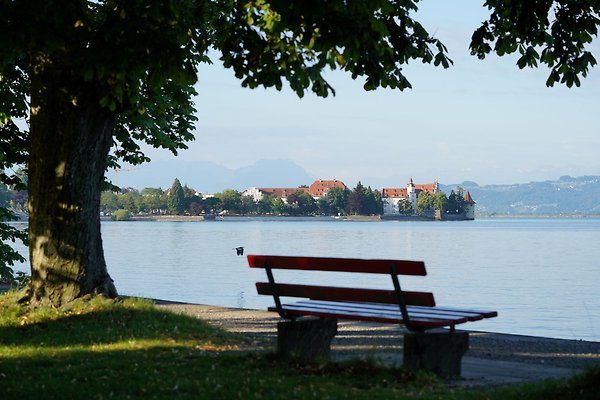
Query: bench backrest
x,y
393,268
369,266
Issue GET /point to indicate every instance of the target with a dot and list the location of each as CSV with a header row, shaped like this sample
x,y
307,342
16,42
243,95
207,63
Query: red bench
x,y
440,352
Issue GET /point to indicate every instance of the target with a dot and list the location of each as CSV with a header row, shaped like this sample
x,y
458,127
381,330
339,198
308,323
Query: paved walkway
x,y
493,359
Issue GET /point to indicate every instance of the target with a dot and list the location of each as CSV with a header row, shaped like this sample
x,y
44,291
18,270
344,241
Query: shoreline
x,y
322,218
211,218
540,216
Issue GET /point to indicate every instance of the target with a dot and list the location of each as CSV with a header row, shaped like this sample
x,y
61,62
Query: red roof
x,y
320,187
468,198
431,188
394,192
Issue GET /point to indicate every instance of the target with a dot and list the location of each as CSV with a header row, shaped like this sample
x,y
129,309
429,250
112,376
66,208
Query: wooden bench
x,y
425,347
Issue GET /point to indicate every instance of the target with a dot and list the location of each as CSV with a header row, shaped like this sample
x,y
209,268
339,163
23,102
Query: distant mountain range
x,y
567,195
209,177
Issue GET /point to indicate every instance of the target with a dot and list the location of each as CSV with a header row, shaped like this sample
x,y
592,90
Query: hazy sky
x,y
485,121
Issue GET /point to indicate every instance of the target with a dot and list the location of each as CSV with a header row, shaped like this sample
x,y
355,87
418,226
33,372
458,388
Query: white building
x,y
392,196
318,189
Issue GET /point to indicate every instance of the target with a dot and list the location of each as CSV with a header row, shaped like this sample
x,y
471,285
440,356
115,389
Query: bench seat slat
x,y
370,315
483,313
370,266
388,311
412,310
346,294
469,314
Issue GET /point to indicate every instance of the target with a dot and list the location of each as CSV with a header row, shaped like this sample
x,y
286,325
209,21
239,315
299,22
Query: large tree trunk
x,y
70,138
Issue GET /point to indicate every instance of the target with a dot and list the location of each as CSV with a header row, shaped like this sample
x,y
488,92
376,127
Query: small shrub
x,y
122,215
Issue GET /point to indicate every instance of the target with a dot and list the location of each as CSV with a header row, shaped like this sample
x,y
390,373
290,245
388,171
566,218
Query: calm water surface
x,y
542,275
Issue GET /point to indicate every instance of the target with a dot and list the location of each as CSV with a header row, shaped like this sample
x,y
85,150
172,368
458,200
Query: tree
x,y
231,200
324,207
176,198
96,78
456,202
212,204
440,201
424,203
374,202
364,201
265,205
195,208
560,29
357,199
279,206
109,201
405,207
130,201
190,196
154,200
247,205
337,199
301,203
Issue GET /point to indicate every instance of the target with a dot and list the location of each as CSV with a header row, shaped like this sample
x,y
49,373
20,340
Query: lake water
x,y
541,275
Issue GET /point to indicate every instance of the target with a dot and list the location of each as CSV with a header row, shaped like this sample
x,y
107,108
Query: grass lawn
x,y
128,349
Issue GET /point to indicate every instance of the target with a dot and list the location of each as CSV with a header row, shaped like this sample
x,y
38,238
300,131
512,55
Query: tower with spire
x,y
411,191
469,209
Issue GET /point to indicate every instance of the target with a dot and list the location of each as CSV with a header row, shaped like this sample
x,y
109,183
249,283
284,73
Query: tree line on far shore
x,y
454,203
182,200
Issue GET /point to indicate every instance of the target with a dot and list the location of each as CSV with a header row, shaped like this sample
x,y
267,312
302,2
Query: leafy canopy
x,y
140,58
555,33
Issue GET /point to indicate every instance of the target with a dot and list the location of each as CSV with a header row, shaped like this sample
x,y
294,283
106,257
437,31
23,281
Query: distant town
x,y
564,197
322,197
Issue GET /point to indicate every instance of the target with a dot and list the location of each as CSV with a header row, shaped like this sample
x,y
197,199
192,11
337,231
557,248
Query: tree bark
x,y
70,138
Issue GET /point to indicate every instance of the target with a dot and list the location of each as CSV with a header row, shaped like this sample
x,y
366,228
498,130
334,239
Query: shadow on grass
x,y
109,326
68,367
157,372
187,373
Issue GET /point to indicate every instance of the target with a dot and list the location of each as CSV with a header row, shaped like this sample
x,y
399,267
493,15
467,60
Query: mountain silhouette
x,y
209,177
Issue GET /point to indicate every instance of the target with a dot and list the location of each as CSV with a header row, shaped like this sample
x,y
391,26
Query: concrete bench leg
x,y
308,338
435,351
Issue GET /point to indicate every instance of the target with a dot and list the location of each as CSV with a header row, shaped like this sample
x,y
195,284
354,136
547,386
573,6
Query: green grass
x,y
128,349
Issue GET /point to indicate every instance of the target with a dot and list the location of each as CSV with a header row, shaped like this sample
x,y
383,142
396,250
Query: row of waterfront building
x,y
390,197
